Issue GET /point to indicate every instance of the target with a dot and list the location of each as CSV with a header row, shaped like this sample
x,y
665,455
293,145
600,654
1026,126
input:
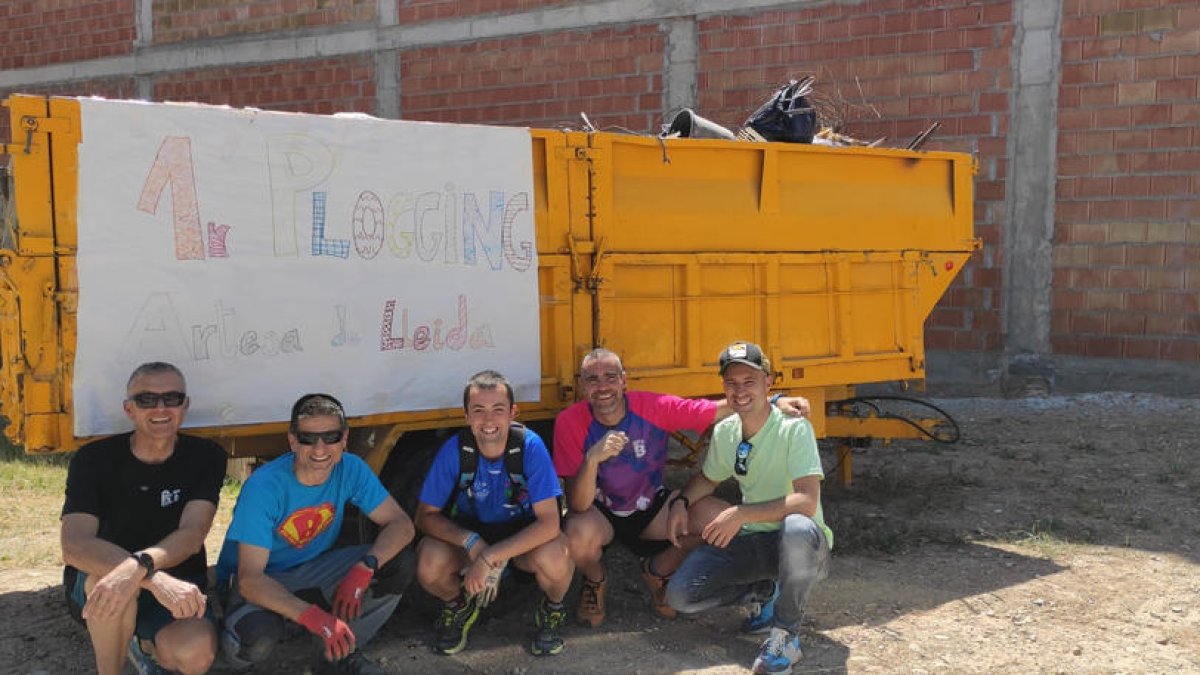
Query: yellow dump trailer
x,y
661,250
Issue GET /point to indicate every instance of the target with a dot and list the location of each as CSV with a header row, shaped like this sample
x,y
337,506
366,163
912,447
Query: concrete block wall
x,y
1084,115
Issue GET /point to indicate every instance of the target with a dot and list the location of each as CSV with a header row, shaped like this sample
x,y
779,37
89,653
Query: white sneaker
x,y
779,652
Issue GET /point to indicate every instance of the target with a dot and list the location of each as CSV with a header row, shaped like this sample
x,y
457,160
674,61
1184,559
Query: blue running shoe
x,y
142,662
762,612
778,653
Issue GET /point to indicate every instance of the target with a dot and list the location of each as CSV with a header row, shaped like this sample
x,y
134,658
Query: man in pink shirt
x,y
611,451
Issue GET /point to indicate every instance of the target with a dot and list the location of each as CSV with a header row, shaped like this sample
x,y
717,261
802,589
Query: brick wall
x,y
320,86
413,11
40,32
197,19
613,75
1127,237
889,68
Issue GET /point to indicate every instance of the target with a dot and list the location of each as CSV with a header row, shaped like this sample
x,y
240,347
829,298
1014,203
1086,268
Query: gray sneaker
x,y
142,662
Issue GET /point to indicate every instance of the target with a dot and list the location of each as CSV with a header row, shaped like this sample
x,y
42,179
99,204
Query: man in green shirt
x,y
774,546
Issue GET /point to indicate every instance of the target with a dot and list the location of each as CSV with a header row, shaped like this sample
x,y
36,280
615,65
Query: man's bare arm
x,y
83,549
396,533
581,488
260,589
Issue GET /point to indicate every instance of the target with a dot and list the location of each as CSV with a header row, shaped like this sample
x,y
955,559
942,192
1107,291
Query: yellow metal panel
x,y
832,318
725,196
65,158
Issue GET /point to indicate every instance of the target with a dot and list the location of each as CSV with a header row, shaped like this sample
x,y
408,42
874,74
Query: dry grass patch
x,y
31,498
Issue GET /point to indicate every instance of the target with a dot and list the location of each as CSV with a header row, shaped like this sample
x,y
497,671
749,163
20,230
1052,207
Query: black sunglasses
x,y
150,399
739,460
311,437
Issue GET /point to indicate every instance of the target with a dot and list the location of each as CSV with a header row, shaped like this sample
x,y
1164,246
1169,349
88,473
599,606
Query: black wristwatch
x,y
145,561
371,562
687,504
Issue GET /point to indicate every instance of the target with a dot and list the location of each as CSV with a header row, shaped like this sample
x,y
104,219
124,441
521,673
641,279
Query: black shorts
x,y
491,533
151,616
628,529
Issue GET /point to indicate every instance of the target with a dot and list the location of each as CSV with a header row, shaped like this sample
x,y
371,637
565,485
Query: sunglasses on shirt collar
x,y
311,437
151,399
740,458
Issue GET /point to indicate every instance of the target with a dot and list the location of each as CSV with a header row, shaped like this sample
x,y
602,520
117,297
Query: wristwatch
x,y
145,561
371,562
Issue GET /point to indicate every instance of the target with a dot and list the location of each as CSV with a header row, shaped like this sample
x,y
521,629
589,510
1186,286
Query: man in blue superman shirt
x,y
279,560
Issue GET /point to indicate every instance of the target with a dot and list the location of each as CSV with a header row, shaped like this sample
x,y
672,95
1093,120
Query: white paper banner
x,y
271,254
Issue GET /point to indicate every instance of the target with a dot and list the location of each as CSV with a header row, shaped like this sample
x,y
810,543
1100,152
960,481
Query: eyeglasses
x,y
311,437
151,399
739,460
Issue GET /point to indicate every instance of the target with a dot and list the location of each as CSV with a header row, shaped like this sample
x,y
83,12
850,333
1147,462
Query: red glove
x,y
339,639
347,601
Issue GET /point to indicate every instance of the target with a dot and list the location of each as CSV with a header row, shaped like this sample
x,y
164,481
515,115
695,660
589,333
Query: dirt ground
x,y
1059,534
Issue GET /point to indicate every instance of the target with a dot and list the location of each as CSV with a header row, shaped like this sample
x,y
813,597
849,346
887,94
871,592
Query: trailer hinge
x,y
32,124
580,249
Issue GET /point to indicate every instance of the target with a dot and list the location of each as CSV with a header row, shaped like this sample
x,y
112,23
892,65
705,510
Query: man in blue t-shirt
x,y
279,561
479,510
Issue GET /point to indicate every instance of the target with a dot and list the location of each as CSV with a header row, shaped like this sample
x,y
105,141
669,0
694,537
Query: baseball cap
x,y
743,352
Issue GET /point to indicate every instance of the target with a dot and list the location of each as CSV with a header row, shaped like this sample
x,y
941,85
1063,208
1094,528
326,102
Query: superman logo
x,y
306,524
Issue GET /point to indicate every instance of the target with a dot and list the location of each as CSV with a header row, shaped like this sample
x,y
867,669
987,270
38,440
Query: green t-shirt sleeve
x,y
803,458
718,460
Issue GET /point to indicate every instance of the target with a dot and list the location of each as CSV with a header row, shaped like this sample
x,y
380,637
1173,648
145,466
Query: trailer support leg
x,y
845,463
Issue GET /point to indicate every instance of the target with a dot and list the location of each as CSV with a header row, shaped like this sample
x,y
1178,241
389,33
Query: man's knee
x,y
553,558
396,574
801,531
585,533
251,638
681,594
435,560
188,646
803,546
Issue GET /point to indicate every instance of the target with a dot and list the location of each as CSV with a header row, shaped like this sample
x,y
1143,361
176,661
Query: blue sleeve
x,y
442,476
540,477
367,493
253,515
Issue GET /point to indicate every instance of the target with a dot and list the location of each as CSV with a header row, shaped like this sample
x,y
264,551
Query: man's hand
x,y
114,590
483,579
794,406
677,521
347,601
339,639
491,586
608,447
722,529
183,599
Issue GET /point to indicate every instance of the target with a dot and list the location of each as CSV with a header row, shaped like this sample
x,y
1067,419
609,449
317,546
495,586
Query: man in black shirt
x,y
138,507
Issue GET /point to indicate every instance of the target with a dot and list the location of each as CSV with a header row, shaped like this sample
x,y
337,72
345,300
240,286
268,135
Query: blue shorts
x,y
151,616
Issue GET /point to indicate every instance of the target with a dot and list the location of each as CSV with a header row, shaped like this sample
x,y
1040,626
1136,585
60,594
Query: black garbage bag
x,y
787,116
